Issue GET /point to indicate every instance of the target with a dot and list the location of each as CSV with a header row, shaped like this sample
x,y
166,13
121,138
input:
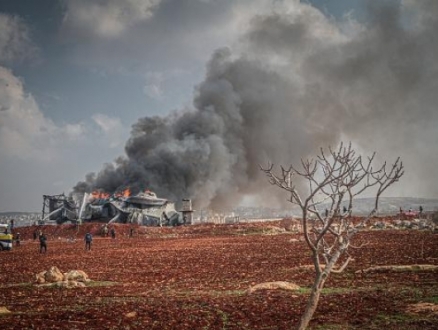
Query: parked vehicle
x,y
5,238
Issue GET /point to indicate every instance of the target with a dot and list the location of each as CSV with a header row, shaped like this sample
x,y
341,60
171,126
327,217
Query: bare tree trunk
x,y
328,235
313,300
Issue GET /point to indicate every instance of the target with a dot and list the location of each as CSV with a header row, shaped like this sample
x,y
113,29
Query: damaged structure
x,y
144,208
59,208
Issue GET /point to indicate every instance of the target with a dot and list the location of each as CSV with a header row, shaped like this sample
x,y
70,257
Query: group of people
x,y
411,212
111,231
42,238
88,238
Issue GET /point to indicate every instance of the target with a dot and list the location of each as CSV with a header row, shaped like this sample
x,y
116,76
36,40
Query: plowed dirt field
x,y
197,277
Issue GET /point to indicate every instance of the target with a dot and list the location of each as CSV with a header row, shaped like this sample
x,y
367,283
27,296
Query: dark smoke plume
x,y
299,82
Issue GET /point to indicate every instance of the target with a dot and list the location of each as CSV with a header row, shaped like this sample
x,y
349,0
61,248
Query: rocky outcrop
x,y
76,275
4,310
54,277
50,276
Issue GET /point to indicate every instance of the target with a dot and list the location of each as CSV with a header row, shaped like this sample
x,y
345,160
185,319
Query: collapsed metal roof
x,y
144,208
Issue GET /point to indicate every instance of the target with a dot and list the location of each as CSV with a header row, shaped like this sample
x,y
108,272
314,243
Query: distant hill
x,y
20,218
388,205
361,206
17,213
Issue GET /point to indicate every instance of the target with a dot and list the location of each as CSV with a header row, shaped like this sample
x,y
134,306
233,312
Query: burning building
x,y
144,208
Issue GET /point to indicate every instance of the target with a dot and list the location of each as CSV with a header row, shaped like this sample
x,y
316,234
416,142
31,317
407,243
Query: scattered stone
x,y
76,275
39,278
406,224
380,225
53,275
4,310
131,315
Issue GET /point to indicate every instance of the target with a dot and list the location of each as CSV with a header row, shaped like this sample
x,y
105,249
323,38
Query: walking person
x,y
88,239
43,243
113,233
17,239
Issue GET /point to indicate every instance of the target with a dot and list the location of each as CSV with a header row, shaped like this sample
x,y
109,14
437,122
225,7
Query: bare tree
x,y
333,181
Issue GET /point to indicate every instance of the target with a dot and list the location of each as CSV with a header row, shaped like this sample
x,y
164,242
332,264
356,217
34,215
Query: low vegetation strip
x,y
399,268
274,285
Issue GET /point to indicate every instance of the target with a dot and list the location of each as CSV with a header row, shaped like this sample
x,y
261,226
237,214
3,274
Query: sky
x,y
188,97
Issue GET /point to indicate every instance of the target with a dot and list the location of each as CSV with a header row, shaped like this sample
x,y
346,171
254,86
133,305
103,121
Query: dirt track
x,y
197,277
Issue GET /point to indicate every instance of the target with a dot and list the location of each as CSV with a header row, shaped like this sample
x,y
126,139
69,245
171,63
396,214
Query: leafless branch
x,y
344,265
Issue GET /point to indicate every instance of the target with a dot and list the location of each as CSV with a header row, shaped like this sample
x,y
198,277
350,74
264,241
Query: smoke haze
x,y
297,81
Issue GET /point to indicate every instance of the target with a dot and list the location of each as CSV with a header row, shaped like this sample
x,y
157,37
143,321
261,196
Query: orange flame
x,y
124,193
99,195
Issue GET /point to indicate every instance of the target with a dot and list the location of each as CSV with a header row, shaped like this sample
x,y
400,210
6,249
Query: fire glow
x,y
99,194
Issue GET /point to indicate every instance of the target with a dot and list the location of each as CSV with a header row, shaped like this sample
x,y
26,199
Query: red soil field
x,y
197,277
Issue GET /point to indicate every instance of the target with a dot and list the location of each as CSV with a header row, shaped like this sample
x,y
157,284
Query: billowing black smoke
x,y
299,82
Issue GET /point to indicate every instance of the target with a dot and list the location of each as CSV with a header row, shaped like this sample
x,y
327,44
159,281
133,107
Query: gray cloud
x,y
15,42
177,34
298,82
106,19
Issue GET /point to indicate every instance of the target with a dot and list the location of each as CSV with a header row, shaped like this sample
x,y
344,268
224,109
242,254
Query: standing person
x,y
421,211
165,217
43,243
17,239
131,232
105,230
113,232
88,239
